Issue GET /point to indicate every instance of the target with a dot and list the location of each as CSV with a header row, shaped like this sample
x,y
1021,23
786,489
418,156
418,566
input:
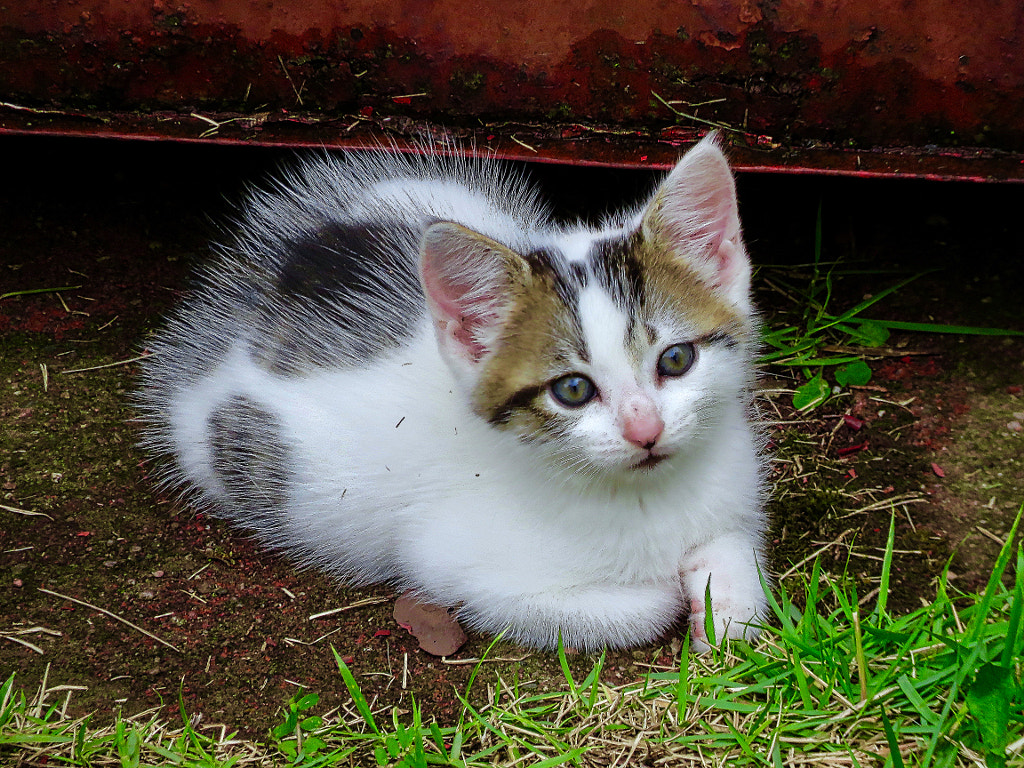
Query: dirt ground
x,y
233,629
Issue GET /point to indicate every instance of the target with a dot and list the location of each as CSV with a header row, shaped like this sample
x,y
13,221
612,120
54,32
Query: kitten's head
x,y
612,351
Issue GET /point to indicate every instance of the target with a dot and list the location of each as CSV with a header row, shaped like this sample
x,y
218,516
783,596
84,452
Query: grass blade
x,y
967,330
866,303
883,589
1013,633
32,291
355,692
995,581
566,672
890,737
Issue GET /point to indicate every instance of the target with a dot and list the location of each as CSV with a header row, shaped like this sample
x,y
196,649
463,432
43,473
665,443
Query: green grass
x,y
838,682
32,291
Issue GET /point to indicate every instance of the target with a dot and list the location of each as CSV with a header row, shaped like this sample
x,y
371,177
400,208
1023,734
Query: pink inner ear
x,y
720,208
729,262
460,326
696,212
706,215
463,279
455,311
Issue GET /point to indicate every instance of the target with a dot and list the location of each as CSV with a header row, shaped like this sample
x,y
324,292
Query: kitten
x,y
400,370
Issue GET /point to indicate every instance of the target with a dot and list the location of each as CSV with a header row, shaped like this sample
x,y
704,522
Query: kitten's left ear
x,y
468,280
695,217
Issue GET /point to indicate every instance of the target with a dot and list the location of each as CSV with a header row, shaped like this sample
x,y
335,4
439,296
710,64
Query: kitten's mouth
x,y
650,462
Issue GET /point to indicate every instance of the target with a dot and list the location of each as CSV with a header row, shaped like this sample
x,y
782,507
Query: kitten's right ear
x,y
694,216
467,279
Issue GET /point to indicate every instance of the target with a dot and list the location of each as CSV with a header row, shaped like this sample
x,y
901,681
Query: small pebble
x,y
158,574
1014,426
19,583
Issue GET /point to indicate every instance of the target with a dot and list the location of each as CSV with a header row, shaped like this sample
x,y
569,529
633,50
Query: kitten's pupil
x,y
573,390
676,360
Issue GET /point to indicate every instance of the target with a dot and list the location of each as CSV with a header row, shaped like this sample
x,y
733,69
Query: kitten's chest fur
x,y
400,370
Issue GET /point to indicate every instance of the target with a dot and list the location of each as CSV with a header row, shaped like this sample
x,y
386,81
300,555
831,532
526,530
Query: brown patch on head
x,y
539,341
680,290
647,277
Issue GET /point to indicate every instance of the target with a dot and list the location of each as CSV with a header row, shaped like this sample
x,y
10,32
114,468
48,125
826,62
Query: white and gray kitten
x,y
402,371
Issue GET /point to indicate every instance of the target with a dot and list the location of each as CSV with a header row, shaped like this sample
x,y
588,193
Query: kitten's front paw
x,y
728,569
729,621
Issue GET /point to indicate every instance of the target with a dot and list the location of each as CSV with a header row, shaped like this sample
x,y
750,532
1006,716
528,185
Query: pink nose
x,y
641,423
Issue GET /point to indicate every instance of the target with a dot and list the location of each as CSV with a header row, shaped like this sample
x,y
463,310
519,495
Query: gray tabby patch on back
x,y
337,273
323,274
250,458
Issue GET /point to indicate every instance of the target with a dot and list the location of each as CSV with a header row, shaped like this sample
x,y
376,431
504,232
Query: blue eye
x,y
677,359
573,390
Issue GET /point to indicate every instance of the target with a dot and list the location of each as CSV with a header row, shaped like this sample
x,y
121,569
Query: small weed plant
x,y
833,681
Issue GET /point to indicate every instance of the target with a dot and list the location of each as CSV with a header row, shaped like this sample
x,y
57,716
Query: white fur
x,y
396,479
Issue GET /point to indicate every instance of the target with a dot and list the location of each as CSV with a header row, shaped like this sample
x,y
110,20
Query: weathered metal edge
x,y
571,144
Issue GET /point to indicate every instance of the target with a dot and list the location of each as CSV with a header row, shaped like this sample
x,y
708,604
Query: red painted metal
x,y
930,88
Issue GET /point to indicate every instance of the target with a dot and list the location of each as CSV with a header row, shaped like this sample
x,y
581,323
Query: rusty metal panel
x,y
918,87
